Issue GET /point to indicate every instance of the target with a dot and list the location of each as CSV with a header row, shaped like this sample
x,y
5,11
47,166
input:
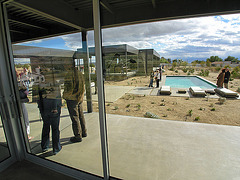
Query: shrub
x,y
238,90
204,72
213,109
191,70
116,108
171,69
217,69
176,71
162,104
127,106
190,112
197,118
184,70
236,72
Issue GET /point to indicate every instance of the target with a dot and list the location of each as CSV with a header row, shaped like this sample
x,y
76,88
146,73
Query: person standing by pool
x,y
157,77
226,77
151,79
220,78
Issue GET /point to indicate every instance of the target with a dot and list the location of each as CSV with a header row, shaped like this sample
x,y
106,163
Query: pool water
x,y
187,81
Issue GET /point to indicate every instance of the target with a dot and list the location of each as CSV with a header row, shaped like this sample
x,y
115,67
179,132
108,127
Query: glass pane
x,y
158,128
54,80
4,151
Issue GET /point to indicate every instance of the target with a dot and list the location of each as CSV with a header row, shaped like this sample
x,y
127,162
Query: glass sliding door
x,y
57,107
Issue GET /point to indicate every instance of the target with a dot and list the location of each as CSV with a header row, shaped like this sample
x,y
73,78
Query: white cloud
x,y
190,38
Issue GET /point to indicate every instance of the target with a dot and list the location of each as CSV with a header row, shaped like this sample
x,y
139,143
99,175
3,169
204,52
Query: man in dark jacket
x,y
226,77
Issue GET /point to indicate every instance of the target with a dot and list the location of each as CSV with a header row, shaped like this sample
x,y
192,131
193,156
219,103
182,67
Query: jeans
x,y
78,121
50,120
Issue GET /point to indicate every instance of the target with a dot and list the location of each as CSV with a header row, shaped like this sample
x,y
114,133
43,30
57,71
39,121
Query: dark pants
x,y
75,110
50,120
157,82
151,83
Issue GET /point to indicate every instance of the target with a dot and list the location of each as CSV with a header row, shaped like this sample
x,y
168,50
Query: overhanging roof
x,y
35,19
112,49
27,51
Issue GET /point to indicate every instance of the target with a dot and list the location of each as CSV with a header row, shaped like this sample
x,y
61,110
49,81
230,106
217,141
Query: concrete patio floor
x,y
144,148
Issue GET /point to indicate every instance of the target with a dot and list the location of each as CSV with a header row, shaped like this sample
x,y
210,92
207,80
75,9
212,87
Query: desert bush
x,y
217,69
127,106
213,109
191,70
190,112
236,72
197,118
204,73
171,69
184,70
238,90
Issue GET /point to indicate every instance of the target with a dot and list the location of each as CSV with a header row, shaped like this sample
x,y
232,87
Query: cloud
x,y
184,38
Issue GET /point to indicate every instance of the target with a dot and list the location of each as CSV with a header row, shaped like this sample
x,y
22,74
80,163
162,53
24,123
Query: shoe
x,y
84,135
75,139
44,149
55,152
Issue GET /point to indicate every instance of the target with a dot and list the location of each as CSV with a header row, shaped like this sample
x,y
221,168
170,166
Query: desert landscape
x,y
198,110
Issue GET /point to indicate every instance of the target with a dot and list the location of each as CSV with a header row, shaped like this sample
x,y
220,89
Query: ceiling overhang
x,y
36,19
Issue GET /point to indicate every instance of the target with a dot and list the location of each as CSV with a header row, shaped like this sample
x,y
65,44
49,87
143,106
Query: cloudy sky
x,y
187,39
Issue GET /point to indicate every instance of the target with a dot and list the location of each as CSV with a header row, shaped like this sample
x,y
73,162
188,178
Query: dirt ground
x,y
198,110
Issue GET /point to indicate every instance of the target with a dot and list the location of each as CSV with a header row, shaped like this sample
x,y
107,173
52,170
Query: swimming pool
x,y
187,81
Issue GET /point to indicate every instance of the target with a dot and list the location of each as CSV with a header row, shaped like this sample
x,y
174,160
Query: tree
x,y
174,64
194,63
163,60
232,59
208,63
202,63
184,63
214,59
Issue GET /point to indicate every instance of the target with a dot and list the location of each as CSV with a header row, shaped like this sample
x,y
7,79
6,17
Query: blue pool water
x,y
187,81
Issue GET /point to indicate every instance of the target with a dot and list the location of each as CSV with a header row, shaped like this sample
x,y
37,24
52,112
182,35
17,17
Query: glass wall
x,y
164,136
56,100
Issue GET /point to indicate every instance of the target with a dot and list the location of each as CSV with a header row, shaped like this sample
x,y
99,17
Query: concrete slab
x,y
141,91
144,148
112,93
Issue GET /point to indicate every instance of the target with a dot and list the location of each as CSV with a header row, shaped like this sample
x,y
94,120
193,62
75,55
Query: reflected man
x,y
73,94
49,104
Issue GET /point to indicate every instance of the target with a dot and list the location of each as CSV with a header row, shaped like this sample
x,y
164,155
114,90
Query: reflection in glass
x,y
57,83
4,151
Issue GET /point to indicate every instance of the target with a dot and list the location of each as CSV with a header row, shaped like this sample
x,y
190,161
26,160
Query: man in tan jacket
x,y
73,94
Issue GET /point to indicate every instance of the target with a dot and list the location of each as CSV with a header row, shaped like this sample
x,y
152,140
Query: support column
x,y
101,99
86,71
